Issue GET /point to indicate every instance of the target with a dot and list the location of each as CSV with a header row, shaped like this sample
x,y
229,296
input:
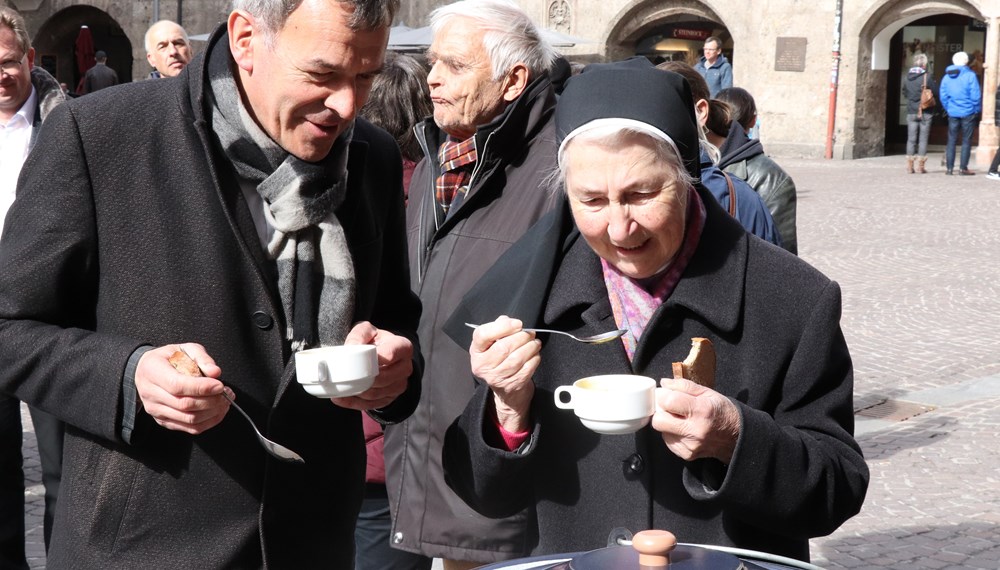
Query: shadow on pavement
x,y
913,433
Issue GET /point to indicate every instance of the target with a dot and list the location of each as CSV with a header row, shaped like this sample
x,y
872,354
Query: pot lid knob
x,y
654,548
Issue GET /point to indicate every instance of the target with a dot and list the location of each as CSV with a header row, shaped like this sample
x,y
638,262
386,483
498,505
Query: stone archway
x,y
879,25
55,42
640,17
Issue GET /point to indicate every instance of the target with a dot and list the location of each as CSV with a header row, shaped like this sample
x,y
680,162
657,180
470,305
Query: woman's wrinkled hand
x,y
505,358
696,422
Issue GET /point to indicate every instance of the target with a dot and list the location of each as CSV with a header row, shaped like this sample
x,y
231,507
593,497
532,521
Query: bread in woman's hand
x,y
184,363
699,366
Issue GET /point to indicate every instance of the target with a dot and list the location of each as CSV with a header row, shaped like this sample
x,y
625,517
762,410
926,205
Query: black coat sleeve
x,y
52,358
799,470
395,307
493,481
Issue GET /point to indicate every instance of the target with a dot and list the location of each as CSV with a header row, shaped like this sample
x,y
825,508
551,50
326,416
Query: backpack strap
x,y
732,194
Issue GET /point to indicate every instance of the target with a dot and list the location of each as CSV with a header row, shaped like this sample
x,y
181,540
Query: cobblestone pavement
x,y
917,258
34,496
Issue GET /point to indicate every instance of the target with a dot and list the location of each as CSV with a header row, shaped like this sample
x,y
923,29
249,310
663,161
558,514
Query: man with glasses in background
x,y
714,67
27,95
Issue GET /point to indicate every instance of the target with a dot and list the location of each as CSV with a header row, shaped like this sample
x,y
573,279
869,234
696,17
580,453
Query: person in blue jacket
x,y
962,100
714,66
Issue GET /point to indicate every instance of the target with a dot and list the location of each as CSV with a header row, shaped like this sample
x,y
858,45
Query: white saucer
x,y
619,427
338,389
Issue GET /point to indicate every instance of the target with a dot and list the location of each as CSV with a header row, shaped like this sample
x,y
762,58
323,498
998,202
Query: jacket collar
x,y
48,95
521,120
713,283
196,72
738,146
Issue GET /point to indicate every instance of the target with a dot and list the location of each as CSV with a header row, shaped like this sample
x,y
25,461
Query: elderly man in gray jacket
x,y
489,148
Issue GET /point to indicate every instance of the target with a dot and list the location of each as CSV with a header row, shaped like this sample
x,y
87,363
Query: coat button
x,y
397,538
634,464
262,320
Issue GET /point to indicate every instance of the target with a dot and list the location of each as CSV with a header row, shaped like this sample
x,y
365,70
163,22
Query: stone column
x,y
988,135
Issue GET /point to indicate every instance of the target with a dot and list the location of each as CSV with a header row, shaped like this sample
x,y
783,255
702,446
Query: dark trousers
x,y
49,435
996,161
371,537
966,125
11,486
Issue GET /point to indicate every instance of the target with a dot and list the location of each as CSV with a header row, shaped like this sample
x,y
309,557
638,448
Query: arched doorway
x,y
666,31
55,43
938,37
876,100
683,41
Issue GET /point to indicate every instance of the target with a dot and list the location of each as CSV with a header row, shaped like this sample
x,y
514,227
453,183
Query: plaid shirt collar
x,y
457,159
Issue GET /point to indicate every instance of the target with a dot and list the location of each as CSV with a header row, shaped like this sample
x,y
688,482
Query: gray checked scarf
x,y
315,267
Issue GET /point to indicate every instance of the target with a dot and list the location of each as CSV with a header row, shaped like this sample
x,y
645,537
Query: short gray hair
x,y
920,60
272,14
509,35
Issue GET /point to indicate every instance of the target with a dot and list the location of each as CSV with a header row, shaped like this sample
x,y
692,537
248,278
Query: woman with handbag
x,y
918,90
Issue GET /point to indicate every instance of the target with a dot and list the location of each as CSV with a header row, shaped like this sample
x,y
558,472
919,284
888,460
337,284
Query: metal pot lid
x,y
626,558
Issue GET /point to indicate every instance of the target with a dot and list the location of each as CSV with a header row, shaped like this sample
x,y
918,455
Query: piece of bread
x,y
699,366
184,363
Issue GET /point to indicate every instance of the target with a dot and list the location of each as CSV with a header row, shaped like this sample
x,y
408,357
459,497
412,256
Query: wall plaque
x,y
790,54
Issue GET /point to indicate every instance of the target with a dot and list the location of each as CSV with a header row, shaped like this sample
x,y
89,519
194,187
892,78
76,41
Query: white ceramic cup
x,y
611,403
337,371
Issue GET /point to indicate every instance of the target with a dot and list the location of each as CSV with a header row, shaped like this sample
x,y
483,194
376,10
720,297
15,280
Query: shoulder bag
x,y
926,98
732,193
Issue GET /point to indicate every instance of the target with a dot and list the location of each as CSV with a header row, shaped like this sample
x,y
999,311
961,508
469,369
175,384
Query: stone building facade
x,y
825,73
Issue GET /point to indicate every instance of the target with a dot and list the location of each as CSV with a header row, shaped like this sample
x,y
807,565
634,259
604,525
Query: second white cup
x,y
337,371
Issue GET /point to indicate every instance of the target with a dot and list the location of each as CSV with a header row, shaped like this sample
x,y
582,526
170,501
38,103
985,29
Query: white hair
x,y
614,136
960,58
509,35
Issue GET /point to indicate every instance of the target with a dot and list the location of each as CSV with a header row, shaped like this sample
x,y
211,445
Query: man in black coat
x,y
252,216
100,76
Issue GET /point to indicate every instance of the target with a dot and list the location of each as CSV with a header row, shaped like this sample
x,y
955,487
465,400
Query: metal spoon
x,y
187,365
593,339
275,449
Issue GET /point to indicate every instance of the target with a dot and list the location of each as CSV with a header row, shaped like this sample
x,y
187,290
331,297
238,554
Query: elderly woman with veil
x,y
765,460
